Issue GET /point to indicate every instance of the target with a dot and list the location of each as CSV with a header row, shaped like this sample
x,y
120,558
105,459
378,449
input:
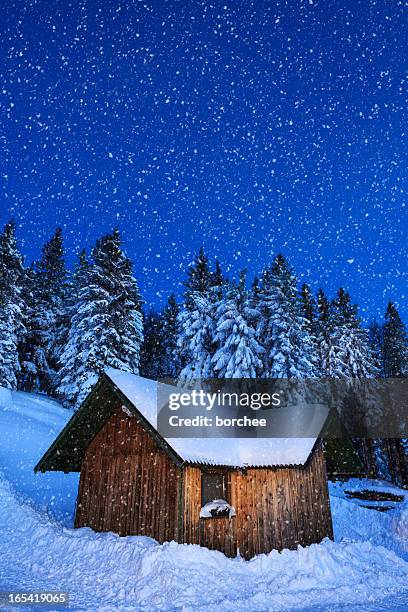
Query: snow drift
x,y
366,566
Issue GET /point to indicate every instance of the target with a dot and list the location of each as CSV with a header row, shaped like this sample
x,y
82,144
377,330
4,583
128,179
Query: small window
x,y
213,486
215,496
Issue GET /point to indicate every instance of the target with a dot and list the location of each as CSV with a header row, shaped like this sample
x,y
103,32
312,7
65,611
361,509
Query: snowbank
x,y
353,522
136,573
366,569
400,525
28,425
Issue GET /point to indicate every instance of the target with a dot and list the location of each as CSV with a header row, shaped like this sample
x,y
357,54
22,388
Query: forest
x,y
59,328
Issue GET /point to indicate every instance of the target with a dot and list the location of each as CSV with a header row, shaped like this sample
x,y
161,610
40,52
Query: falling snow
x,y
248,127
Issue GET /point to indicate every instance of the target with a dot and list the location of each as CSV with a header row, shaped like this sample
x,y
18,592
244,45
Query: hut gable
x,y
67,452
128,483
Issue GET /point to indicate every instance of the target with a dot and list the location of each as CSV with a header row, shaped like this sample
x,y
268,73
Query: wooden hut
x,y
135,482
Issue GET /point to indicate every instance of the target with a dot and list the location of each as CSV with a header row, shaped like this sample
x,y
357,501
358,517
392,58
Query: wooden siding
x,y
275,509
128,485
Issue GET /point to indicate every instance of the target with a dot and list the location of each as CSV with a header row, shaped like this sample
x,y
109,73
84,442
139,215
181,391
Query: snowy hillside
x,y
28,425
365,569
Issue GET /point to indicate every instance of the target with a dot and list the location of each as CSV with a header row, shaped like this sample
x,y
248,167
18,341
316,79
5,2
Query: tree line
x,y
271,329
60,328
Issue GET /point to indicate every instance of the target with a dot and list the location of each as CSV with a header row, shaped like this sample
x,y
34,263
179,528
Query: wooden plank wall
x,y
275,509
131,487
216,534
128,485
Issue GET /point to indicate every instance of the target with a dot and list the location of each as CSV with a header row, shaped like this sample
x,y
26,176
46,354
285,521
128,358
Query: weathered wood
x,y
131,486
275,509
119,485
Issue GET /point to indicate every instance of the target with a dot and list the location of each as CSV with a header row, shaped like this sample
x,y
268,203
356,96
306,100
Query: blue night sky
x,y
248,127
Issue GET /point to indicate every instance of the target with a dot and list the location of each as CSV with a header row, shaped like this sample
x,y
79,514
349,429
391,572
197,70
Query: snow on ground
x,y
28,425
365,569
353,522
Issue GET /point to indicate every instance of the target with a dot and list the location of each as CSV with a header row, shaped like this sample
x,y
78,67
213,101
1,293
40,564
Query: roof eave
x,y
40,467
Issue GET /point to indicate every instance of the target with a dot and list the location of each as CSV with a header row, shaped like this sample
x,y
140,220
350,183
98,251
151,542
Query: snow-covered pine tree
x,y
11,307
356,363
160,355
152,350
170,331
195,340
28,377
199,277
195,322
308,308
264,298
238,353
395,360
49,323
309,314
330,363
107,327
79,278
376,339
337,319
217,282
256,290
395,344
72,371
291,350
354,351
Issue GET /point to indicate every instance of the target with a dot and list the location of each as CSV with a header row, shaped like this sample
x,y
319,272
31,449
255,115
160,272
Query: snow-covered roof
x,y
232,452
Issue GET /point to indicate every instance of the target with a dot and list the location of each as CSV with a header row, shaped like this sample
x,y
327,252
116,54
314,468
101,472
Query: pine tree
x,y
394,352
80,277
376,340
29,377
195,340
395,344
152,351
199,278
11,307
264,298
355,361
107,328
256,290
290,346
195,322
170,332
308,308
217,282
74,370
330,363
351,340
49,322
328,348
238,354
